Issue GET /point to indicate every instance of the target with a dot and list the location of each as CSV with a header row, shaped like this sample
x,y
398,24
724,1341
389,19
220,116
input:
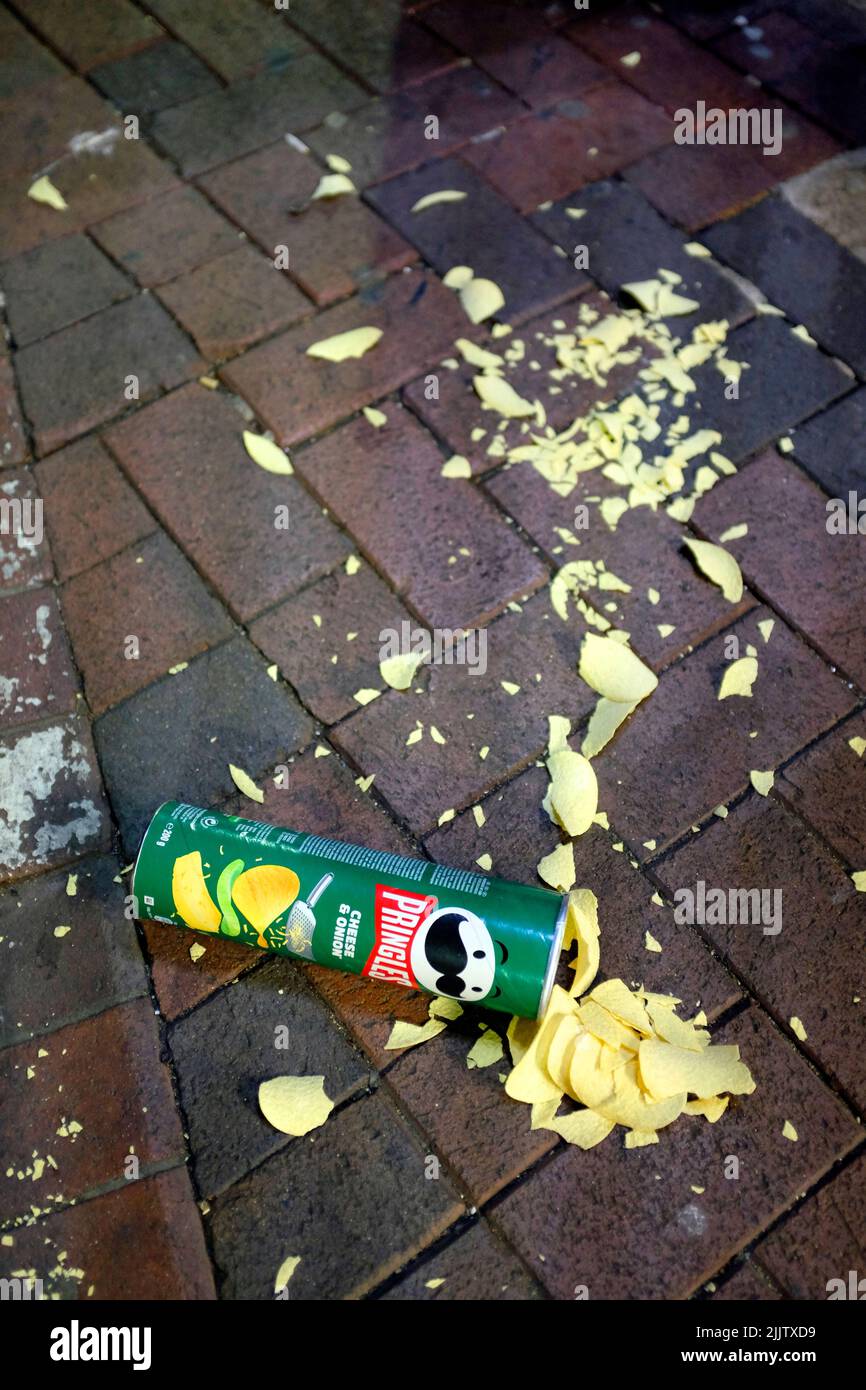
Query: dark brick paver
x,y
168,607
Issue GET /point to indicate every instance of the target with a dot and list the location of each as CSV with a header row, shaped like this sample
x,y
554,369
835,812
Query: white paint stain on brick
x,y
30,770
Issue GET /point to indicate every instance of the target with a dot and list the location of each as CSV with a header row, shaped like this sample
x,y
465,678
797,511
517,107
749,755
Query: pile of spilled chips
x,y
623,1055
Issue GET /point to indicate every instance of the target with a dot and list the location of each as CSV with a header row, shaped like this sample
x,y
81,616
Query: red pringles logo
x,y
398,916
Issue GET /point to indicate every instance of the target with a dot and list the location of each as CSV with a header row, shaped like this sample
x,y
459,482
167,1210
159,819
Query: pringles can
x,y
449,932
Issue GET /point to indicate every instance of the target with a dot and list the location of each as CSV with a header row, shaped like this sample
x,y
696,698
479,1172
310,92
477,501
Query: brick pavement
x,y
146,326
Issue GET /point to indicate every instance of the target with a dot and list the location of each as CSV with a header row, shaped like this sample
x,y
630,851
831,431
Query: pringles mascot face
x,y
454,954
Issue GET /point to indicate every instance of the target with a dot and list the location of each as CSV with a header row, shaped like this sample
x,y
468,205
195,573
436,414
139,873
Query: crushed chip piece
x,y
399,671
245,784
667,1071
333,186
796,1026
44,191
341,346
481,299
411,1034
739,677
762,781
444,195
859,880
499,395
650,942
573,791
484,862
445,1008
267,454
366,695
857,745
196,951
487,1050
719,566
291,1262
639,1138
557,868
789,1132
374,417
456,467
295,1104
71,885
614,671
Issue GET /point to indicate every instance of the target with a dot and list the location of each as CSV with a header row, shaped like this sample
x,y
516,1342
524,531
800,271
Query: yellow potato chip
x,y
499,395
285,1271
573,791
603,724
295,1104
333,186
639,1138
366,696
557,868
244,783
456,467
399,671
478,356
444,195
520,1033
557,1052
719,566
601,1023
411,1034
615,996
559,728
457,277
584,1128
796,1026
374,417
712,1109
581,927
445,1008
44,191
739,677
341,346
263,893
789,1132
859,880
486,1050
529,1080
629,1105
267,453
762,781
481,299
614,671
667,1070
650,943
669,1028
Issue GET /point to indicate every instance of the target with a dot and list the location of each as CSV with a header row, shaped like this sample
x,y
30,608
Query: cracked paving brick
x,y
37,678
51,801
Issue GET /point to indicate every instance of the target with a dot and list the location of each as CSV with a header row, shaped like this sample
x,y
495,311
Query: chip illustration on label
x,y
391,917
